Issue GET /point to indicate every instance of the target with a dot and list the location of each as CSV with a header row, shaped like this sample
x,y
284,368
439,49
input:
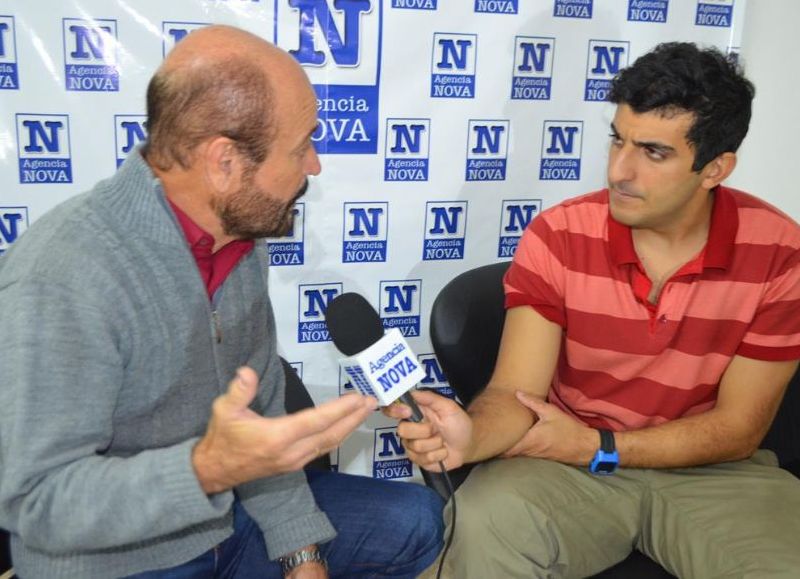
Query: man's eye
x,y
654,154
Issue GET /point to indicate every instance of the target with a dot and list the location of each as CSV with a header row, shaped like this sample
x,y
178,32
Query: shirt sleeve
x,y
774,333
537,273
283,506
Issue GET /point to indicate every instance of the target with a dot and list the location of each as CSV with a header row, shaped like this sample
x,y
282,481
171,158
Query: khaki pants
x,y
525,517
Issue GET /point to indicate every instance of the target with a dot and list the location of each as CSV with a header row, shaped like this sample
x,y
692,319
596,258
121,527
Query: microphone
x,y
378,364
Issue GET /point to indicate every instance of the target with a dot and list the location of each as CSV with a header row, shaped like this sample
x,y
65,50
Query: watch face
x,y
604,467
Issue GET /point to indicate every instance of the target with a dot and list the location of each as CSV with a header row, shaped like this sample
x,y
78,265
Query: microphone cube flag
x,y
386,370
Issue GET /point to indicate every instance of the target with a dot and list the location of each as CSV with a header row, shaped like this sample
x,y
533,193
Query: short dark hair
x,y
231,98
679,77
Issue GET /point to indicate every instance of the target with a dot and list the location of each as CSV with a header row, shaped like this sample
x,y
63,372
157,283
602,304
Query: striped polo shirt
x,y
627,364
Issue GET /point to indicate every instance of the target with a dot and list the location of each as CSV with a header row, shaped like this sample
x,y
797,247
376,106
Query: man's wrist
x,y
304,556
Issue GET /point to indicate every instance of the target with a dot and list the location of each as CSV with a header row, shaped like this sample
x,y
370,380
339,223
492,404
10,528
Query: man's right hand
x,y
444,436
240,445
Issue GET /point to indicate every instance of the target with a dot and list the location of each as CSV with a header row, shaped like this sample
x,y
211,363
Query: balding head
x,y
217,81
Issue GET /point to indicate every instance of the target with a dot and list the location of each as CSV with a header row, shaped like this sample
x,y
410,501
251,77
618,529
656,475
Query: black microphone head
x,y
353,323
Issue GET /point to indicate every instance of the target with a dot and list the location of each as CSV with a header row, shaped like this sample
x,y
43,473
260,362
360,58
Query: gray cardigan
x,y
109,364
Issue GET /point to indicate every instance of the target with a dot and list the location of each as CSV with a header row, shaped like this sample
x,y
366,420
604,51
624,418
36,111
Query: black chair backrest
x,y
467,322
5,552
297,398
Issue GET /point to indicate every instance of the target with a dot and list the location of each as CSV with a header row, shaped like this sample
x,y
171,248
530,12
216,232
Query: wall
x,y
772,147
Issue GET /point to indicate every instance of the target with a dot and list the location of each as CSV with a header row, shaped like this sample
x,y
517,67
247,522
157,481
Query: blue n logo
x,y
9,227
519,216
445,219
48,137
407,138
3,29
344,48
533,56
365,220
488,135
607,59
433,373
91,37
134,133
317,301
391,445
562,139
402,295
455,50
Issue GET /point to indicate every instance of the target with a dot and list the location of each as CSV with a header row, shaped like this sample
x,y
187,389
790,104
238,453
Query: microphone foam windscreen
x,y
353,323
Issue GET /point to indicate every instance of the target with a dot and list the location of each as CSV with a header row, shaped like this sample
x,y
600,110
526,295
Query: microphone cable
x,y
451,491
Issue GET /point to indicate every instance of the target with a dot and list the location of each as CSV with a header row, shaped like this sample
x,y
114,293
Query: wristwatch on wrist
x,y
606,459
307,555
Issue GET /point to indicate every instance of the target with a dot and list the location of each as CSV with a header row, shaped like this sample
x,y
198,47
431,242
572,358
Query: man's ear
x,y
718,169
223,165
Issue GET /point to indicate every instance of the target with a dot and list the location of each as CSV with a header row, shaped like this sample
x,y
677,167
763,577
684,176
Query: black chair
x,y
466,324
5,555
298,398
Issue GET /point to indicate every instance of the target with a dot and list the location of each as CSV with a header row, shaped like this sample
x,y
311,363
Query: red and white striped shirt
x,y
627,364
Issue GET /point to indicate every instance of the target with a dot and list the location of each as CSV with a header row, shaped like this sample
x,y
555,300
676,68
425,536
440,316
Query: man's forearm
x,y
705,438
499,421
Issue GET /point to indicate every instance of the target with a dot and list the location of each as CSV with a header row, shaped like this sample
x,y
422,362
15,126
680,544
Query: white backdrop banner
x,y
444,125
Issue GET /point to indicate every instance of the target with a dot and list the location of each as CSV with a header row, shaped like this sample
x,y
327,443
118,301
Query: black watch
x,y
606,460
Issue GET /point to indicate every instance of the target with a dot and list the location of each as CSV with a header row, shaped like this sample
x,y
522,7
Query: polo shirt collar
x,y
718,251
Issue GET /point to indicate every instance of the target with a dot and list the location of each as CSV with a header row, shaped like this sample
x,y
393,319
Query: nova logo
x,y
13,222
173,32
453,65
514,218
714,13
330,38
389,458
648,10
290,249
407,149
130,130
606,58
445,230
314,300
43,148
9,72
533,68
561,151
496,6
573,8
434,377
90,55
415,4
487,149
400,305
366,227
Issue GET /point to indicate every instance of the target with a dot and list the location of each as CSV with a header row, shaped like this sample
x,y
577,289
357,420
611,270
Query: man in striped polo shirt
x,y
654,326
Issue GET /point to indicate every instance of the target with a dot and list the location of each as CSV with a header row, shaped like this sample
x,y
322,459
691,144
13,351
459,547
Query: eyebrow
x,y
660,147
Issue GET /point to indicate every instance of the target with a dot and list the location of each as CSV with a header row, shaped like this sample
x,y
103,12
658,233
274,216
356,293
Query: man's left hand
x,y
555,435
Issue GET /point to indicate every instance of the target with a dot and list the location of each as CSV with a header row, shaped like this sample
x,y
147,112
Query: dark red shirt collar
x,y
214,267
718,251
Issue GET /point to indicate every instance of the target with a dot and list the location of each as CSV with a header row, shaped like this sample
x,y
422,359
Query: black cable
x,y
451,491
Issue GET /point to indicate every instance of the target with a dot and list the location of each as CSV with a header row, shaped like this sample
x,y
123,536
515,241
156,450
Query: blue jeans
x,y
384,529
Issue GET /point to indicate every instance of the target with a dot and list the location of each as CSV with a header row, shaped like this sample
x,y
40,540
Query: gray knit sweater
x,y
109,364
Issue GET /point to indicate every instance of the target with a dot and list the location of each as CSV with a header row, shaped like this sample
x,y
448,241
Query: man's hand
x,y
555,435
240,445
444,436
308,571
